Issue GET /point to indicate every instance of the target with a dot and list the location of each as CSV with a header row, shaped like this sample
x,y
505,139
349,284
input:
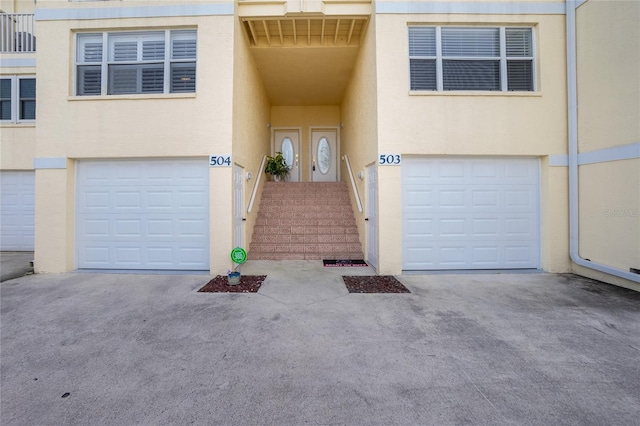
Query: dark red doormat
x,y
374,284
344,262
248,284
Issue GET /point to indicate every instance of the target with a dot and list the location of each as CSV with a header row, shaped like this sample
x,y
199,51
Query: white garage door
x,y
143,214
470,213
17,210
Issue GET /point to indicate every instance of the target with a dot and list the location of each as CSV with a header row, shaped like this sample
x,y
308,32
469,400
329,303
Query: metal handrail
x,y
257,184
353,182
17,33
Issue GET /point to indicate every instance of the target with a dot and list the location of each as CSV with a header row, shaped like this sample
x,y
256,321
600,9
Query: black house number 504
x,y
390,159
219,160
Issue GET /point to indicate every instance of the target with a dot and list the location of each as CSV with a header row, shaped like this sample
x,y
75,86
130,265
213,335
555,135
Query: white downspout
x,y
572,102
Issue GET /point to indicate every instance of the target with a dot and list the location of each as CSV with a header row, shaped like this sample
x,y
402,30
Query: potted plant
x,y
277,167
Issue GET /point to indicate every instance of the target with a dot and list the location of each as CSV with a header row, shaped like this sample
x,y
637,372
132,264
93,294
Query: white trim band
x,y
50,163
17,62
616,153
222,9
472,7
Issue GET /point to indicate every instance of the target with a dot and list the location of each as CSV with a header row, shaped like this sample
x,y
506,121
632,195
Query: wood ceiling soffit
x,y
262,31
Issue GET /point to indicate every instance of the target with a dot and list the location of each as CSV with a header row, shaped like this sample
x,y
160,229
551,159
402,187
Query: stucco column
x,y
54,229
390,220
220,219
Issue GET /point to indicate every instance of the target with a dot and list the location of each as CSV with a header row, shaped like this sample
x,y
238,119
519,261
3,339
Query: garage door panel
x,y
418,228
521,199
485,227
519,255
157,224
94,201
17,210
159,200
485,198
487,256
127,200
481,213
452,198
452,227
418,200
521,227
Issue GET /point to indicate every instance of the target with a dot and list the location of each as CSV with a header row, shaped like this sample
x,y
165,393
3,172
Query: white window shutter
x,y
89,80
183,77
123,79
124,51
153,79
153,50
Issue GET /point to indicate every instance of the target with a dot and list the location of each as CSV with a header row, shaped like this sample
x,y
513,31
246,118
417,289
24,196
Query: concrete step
x,y
305,221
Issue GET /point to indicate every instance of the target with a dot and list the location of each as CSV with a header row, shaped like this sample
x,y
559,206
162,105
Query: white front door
x,y
287,141
324,167
143,214
238,206
470,213
372,216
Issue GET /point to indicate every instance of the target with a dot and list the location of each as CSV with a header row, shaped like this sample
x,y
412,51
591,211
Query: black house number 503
x,y
219,160
390,159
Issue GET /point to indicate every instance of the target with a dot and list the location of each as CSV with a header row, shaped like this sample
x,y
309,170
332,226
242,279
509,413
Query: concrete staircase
x,y
305,221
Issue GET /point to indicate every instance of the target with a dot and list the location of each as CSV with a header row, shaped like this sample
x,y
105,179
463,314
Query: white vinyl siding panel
x,y
17,210
469,213
143,214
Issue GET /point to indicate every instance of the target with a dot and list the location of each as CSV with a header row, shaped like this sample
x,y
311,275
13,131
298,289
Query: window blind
x,y
471,58
136,62
27,90
5,99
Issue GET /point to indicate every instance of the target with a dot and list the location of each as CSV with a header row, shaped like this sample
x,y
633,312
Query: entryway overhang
x,y
305,50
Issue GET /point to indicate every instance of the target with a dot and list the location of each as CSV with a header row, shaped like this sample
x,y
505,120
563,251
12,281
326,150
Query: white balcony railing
x,y
17,33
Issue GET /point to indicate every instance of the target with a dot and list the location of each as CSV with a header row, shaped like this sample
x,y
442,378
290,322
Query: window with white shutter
x,y
471,58
136,63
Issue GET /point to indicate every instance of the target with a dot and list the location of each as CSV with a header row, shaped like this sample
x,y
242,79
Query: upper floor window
x,y
136,62
17,99
471,58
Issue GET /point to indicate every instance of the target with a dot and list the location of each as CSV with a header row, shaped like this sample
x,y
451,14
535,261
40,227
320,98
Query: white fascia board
x,y
17,62
616,153
135,12
49,163
475,7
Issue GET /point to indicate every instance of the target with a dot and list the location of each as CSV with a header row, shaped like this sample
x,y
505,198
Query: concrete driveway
x,y
490,349
14,264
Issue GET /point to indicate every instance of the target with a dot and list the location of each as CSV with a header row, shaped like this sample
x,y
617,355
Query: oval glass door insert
x,y
324,156
287,151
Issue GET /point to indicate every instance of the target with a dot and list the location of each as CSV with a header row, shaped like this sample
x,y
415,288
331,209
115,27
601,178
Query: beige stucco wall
x,y
137,125
184,125
359,115
18,141
18,147
251,135
608,62
472,123
17,6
